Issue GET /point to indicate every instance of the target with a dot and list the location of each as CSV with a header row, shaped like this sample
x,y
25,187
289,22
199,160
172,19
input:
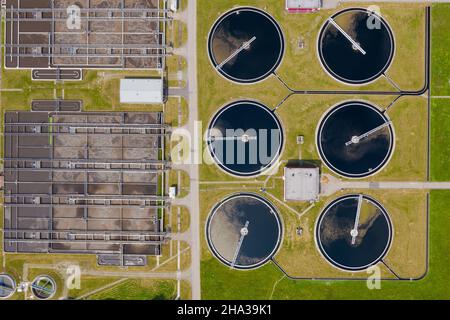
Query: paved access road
x,y
193,168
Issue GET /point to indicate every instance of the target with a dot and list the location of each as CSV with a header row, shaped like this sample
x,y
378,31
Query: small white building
x,y
174,5
299,6
141,91
172,192
301,184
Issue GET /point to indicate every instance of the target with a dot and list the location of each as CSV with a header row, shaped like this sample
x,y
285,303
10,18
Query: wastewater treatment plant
x,y
224,150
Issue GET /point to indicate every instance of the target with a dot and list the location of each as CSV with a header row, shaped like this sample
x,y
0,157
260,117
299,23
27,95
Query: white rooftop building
x,y
303,5
174,5
141,91
301,184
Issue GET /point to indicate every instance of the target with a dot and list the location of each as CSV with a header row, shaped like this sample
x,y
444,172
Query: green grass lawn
x,y
88,284
440,108
137,289
440,137
440,52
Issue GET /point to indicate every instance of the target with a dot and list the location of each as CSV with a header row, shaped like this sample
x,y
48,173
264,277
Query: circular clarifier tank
x,y
355,139
244,231
354,232
356,46
246,45
245,138
43,287
7,286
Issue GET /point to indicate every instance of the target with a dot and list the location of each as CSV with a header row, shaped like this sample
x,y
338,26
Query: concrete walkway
x,y
330,185
179,92
395,1
396,185
138,275
333,4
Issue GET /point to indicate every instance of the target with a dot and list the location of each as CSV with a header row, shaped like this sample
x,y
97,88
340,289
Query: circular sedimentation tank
x,y
355,139
356,46
7,286
43,287
244,231
246,45
245,138
354,232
